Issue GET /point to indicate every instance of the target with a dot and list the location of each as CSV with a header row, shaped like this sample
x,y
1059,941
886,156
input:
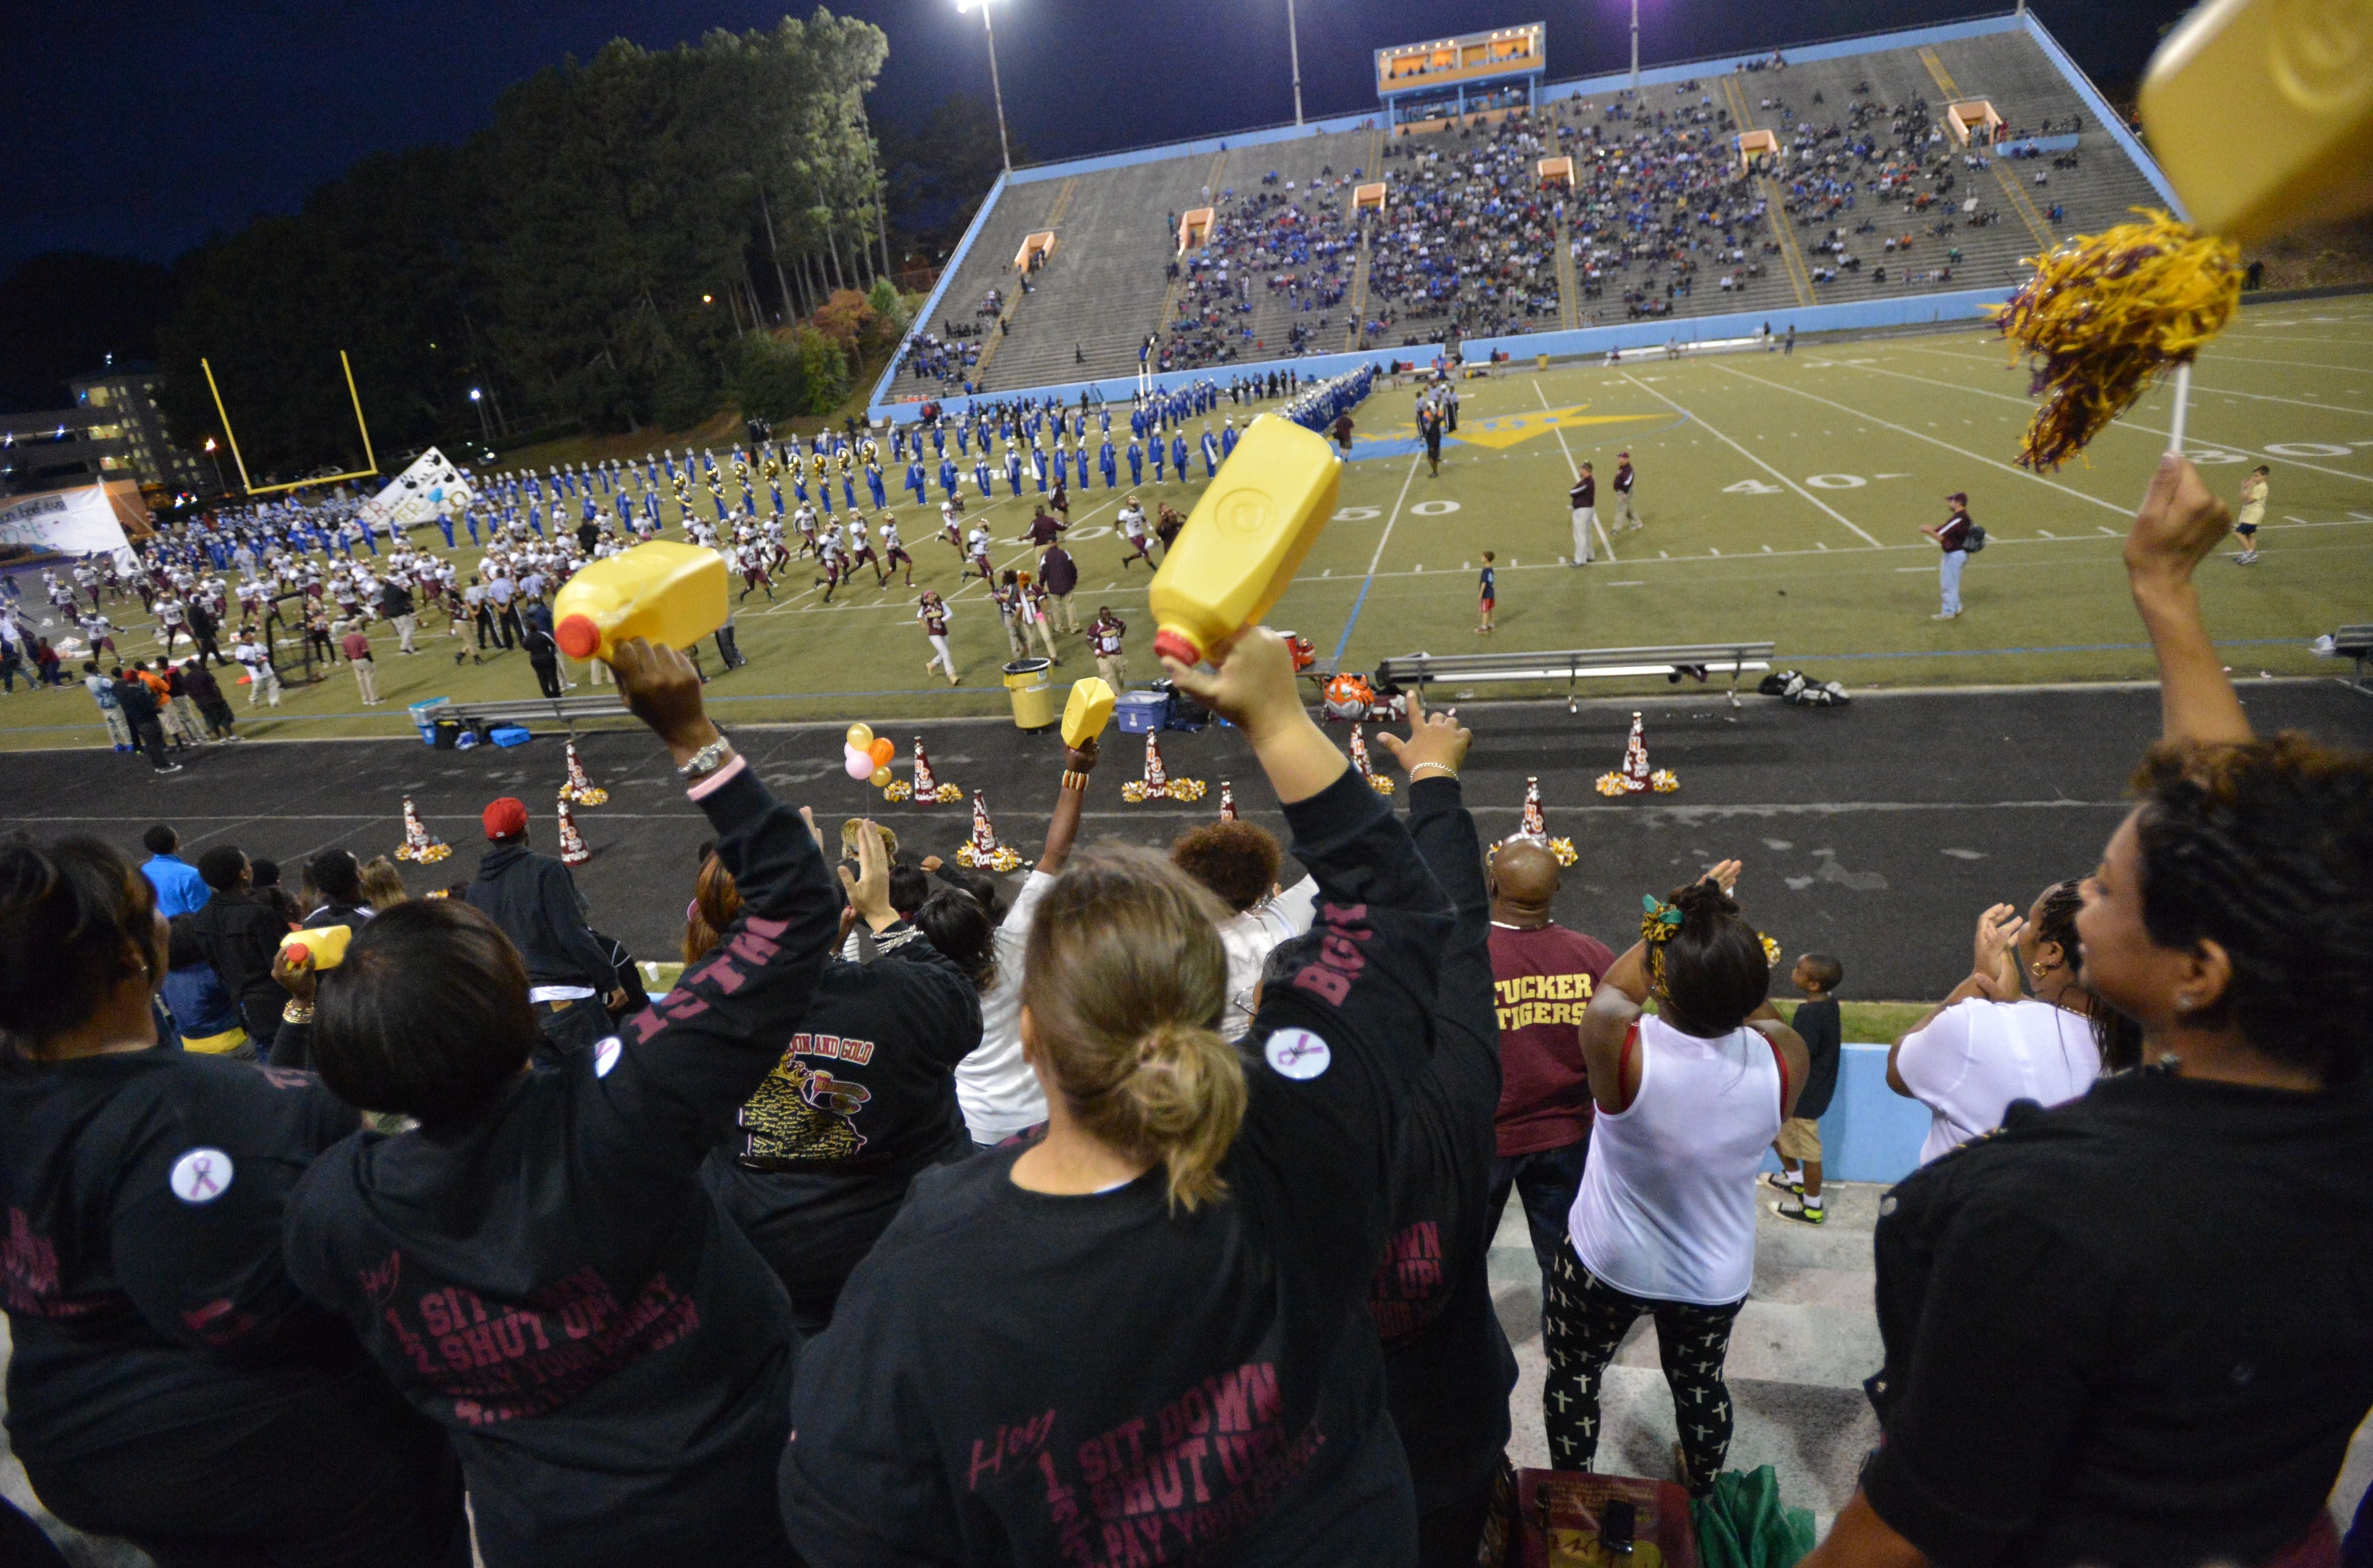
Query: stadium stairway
x,y
1802,1345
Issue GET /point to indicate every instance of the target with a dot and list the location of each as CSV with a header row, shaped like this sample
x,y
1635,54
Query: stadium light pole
x,y
1635,48
1004,146
1294,50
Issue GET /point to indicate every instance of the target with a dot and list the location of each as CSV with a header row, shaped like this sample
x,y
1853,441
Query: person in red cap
x,y
1952,536
534,900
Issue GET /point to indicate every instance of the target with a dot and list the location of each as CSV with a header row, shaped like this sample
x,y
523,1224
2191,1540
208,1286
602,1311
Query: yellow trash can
x,y
1032,693
1542,360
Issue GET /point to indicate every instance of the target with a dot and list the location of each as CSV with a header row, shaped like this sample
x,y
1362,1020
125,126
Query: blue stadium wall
x,y
1857,316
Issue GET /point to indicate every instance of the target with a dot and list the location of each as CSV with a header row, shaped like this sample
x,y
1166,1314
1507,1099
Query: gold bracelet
x,y
297,1013
1447,771
1073,779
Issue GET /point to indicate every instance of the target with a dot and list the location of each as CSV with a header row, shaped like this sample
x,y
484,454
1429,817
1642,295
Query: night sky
x,y
140,130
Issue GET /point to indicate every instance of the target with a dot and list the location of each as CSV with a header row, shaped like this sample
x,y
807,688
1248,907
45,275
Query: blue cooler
x,y
1142,713
507,735
423,717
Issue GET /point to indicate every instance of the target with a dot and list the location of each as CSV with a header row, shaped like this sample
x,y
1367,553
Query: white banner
x,y
76,523
432,484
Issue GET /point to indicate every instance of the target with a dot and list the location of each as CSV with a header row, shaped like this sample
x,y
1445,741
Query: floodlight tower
x,y
1003,144
1635,48
1294,49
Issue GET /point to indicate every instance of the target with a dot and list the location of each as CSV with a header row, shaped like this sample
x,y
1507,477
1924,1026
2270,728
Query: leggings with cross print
x,y
1584,1320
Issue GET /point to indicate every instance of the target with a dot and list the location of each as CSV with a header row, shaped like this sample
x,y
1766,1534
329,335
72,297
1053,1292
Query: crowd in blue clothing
x,y
1317,408
1291,248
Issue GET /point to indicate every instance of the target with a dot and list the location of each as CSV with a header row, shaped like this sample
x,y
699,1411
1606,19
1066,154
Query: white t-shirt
x,y
1666,1209
1978,1056
1252,936
995,1087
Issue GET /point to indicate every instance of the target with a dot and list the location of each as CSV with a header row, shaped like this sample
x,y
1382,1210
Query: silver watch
x,y
706,761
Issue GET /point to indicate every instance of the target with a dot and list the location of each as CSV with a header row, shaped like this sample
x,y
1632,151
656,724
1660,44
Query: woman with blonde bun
x,y
1144,1335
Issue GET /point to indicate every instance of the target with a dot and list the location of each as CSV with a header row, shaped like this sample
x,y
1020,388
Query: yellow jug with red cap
x,y
1245,538
662,591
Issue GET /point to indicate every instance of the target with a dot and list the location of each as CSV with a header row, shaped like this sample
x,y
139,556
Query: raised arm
x,y
1063,829
1446,836
2179,523
687,1062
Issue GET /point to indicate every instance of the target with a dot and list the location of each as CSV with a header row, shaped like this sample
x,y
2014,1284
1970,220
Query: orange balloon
x,y
883,749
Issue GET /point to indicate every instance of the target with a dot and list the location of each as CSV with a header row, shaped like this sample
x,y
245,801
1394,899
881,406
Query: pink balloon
x,y
858,764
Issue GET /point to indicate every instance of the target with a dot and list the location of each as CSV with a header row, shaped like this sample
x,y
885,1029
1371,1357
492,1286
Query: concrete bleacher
x,y
1303,161
1106,285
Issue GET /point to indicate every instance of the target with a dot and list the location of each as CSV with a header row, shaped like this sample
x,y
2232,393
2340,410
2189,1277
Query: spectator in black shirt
x,y
534,900
1818,1024
1149,1324
1448,1369
238,932
167,1383
203,629
862,1100
336,880
138,704
2134,1329
537,1267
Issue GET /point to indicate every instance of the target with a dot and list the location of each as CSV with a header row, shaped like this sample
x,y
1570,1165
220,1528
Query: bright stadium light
x,y
1003,145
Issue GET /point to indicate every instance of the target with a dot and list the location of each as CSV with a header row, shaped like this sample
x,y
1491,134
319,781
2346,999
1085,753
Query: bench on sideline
x,y
530,712
1571,666
2354,643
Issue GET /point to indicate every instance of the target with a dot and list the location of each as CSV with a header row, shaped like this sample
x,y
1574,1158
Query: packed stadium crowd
x,y
1137,1210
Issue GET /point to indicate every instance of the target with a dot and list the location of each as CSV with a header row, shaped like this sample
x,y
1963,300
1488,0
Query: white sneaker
x,y
1946,615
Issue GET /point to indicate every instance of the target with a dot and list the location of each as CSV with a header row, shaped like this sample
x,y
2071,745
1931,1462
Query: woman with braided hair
x,y
1688,1099
2021,1027
2136,1329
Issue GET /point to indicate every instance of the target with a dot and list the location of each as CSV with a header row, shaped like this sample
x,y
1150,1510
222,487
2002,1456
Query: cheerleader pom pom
x,y
2105,315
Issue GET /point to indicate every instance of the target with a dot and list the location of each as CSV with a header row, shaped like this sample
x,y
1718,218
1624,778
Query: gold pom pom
x,y
1663,781
1565,851
897,789
2106,314
1611,784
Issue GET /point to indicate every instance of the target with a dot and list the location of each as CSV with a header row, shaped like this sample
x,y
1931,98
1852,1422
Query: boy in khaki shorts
x,y
2253,512
1799,1143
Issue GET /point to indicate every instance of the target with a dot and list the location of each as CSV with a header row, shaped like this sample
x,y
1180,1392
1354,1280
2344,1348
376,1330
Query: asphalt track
x,y
1876,832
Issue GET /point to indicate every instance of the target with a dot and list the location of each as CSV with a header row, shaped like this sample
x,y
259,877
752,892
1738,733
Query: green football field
x,y
1782,499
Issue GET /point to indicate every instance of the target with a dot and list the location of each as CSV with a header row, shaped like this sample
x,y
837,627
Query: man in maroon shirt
x,y
1543,977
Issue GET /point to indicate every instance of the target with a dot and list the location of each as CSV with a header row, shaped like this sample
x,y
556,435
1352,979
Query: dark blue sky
x,y
140,129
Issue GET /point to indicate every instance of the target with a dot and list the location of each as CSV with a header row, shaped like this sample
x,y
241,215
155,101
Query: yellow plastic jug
x,y
1244,539
1088,712
2302,77
326,943
667,592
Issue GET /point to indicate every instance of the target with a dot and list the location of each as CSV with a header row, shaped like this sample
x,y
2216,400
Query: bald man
x,y
1543,975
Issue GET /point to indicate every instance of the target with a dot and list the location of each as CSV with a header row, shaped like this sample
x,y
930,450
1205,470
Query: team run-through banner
x,y
74,523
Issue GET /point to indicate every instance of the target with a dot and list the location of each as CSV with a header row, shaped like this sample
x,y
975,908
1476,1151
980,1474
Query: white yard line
x,y
2200,387
1758,462
2128,424
1923,435
1604,543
